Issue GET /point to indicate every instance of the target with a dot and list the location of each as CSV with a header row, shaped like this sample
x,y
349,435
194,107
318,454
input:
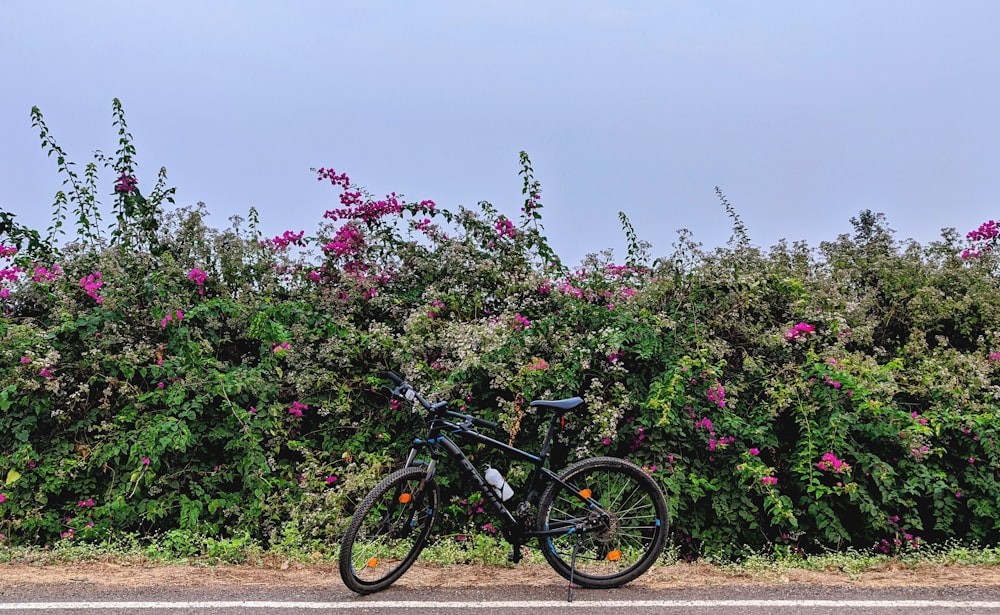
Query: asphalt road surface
x,y
793,598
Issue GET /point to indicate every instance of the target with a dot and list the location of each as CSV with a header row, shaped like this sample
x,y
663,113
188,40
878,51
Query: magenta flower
x,y
346,241
297,408
91,284
831,463
330,480
769,480
178,315
754,451
126,183
505,228
986,231
717,394
538,365
45,275
521,322
199,278
3,498
145,461
799,330
288,238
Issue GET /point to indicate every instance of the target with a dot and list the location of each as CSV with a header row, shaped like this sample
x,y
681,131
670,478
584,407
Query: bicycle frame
x,y
515,529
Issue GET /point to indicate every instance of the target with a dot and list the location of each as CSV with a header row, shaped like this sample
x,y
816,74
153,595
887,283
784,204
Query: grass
x,y
182,548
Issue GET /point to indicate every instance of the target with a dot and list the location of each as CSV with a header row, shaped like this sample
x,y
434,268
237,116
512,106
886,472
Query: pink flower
x,y
126,183
25,360
3,497
521,322
754,451
91,284
330,480
717,394
199,278
43,274
769,480
799,330
286,239
830,462
297,408
346,241
538,365
505,228
145,461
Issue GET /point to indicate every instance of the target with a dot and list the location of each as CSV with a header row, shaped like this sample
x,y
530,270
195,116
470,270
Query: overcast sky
x,y
803,112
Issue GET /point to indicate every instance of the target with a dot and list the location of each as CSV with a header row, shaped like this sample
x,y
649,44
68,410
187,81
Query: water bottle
x,y
495,479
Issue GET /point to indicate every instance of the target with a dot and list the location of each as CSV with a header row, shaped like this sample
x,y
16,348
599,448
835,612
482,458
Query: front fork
x,y
411,460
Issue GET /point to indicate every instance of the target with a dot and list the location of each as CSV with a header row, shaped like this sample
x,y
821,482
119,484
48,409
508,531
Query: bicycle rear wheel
x,y
388,530
614,517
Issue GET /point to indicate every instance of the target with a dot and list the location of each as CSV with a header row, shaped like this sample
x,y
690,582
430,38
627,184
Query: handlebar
x,y
403,389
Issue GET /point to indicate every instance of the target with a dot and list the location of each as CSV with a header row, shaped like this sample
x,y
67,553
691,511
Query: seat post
x,y
547,442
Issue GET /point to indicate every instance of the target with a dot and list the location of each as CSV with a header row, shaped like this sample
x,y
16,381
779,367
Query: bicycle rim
x,y
388,531
615,549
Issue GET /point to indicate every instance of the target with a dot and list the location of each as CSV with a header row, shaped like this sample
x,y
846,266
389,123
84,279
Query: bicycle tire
x,y
630,541
388,530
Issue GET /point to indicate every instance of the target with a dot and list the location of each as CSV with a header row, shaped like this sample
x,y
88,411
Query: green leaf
x,y
12,477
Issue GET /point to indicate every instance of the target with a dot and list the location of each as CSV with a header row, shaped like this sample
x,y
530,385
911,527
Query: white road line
x,y
507,604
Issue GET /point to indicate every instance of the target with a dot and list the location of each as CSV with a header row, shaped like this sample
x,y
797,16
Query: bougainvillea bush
x,y
160,375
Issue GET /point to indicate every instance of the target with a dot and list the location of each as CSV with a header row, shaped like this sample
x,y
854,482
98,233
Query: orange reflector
x,y
405,498
372,562
586,493
614,556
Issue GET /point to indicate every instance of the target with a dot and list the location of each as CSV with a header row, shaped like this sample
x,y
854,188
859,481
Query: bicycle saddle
x,y
559,404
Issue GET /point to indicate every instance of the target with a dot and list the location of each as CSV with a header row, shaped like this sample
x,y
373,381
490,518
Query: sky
x,y
804,113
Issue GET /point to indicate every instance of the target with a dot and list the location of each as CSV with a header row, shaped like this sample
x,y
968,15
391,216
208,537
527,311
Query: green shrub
x,y
172,380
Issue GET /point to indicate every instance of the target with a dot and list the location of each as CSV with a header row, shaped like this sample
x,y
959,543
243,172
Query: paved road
x,y
797,599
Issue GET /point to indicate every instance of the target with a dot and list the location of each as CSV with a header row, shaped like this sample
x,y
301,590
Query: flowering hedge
x,y
160,375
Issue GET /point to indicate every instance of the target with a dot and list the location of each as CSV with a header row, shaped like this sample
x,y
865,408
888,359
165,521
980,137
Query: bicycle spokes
x,y
608,527
388,531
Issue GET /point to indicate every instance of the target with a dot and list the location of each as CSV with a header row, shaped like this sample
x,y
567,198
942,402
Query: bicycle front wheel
x,y
388,530
614,517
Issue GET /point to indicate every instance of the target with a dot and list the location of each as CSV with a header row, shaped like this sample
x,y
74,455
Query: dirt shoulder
x,y
431,576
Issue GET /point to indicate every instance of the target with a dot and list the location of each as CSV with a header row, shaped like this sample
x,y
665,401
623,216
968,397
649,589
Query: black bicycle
x,y
600,523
